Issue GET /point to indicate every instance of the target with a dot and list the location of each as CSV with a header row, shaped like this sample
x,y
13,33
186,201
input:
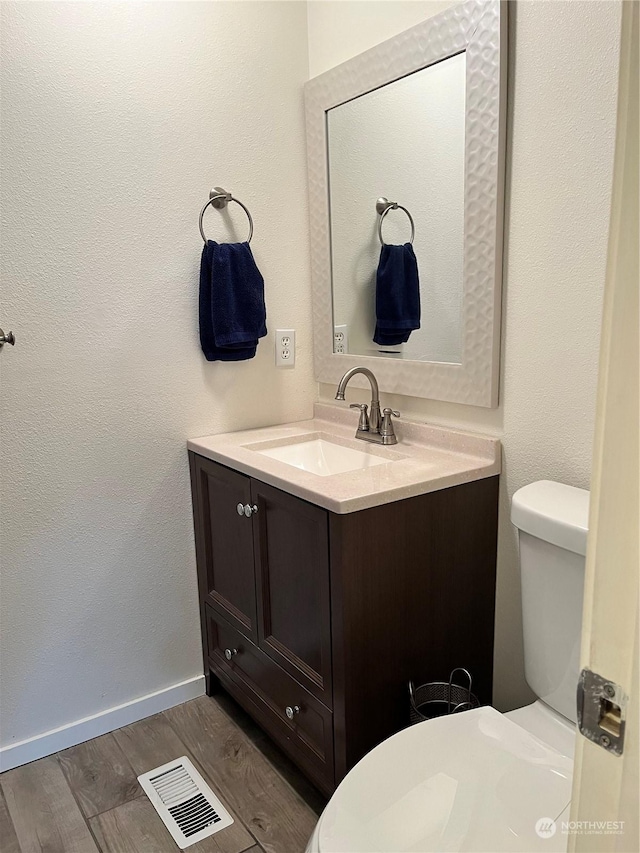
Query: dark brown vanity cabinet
x,y
315,622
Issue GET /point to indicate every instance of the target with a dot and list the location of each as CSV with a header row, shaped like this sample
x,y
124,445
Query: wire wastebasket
x,y
438,698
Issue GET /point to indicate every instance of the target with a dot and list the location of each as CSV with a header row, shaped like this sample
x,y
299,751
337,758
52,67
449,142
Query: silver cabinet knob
x,y
246,509
9,338
229,653
292,711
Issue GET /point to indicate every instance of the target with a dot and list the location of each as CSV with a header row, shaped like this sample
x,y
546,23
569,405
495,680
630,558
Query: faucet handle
x,y
363,423
386,429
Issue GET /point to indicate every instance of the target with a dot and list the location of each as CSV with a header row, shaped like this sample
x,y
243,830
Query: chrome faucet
x,y
371,427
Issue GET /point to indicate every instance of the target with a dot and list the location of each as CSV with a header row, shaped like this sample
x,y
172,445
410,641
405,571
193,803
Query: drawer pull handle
x,y
229,653
246,510
291,712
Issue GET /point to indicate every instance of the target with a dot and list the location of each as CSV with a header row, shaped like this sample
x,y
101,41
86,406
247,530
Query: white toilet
x,y
481,780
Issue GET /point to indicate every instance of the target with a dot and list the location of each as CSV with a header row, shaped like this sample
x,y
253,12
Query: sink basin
x,y
323,457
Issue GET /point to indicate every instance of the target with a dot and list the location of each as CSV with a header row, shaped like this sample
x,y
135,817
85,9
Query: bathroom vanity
x,y
323,591
333,570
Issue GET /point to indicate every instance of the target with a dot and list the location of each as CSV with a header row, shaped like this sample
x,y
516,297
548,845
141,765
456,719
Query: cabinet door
x,y
224,544
292,567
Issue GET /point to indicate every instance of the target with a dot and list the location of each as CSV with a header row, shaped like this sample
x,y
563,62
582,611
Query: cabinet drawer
x,y
266,691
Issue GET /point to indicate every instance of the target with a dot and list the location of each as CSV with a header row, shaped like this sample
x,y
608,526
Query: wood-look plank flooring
x,y
8,837
87,799
99,775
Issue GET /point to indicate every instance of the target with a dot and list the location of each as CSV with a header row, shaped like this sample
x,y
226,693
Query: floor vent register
x,y
187,805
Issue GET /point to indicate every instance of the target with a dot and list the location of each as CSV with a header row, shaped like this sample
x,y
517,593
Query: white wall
x,y
117,120
562,102
340,29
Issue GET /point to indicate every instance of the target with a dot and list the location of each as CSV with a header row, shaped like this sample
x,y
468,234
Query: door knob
x,y
292,711
9,338
229,653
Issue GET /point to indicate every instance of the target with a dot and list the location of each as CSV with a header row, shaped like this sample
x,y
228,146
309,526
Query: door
x,y
224,543
291,544
605,785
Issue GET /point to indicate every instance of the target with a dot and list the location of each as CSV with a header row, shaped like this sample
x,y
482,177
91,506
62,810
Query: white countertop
x,y
425,459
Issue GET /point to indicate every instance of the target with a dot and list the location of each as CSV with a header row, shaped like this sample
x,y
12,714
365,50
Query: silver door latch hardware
x,y
602,707
9,338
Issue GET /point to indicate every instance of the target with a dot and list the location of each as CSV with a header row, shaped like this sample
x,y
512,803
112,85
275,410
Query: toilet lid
x,y
473,781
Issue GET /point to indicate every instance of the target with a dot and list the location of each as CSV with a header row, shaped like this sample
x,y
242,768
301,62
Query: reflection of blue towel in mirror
x,y
232,309
397,295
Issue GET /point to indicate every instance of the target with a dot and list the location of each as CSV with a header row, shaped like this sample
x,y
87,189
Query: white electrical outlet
x,y
340,339
285,347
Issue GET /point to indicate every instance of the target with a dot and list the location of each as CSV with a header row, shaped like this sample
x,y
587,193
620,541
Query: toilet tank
x,y
552,521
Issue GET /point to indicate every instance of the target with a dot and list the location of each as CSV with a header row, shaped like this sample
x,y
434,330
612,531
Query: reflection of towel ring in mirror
x,y
219,199
383,206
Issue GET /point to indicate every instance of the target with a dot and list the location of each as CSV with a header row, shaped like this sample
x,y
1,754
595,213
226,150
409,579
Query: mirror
x,y
403,142
410,135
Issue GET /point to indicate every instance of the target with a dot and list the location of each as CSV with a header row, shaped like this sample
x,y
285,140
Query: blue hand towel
x,y
397,295
232,309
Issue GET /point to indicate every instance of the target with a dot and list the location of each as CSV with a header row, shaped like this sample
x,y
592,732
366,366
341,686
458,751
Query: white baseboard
x,y
99,724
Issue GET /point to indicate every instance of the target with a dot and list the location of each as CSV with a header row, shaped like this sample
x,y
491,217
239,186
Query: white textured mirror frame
x,y
479,28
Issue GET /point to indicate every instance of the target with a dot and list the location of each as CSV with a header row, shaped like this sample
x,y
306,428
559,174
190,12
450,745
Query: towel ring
x,y
219,199
383,206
